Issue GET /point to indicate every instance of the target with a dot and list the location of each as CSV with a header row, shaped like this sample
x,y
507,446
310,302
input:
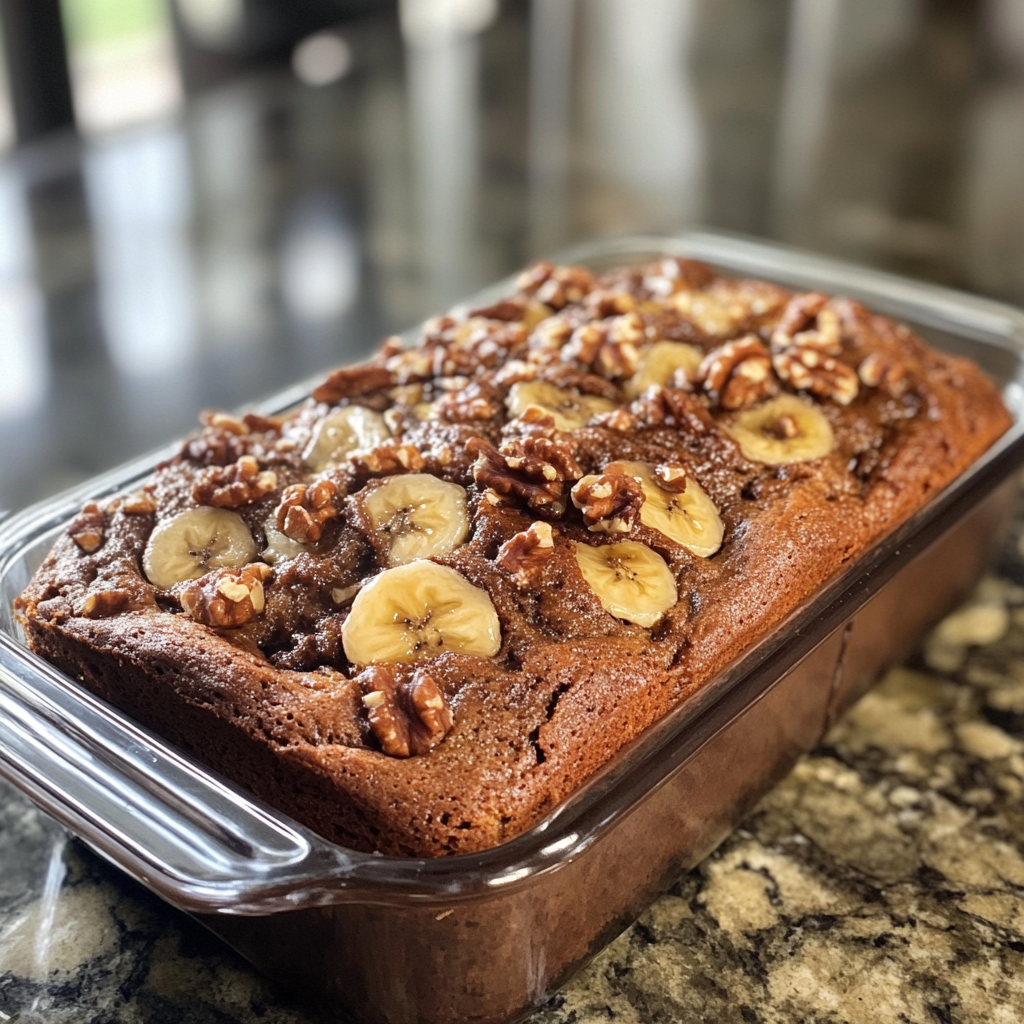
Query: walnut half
x,y
610,503
304,510
233,486
525,554
407,717
226,597
534,469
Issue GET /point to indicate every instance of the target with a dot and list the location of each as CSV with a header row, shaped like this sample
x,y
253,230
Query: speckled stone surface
x,y
883,880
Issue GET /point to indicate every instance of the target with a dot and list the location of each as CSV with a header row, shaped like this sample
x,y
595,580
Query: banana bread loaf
x,y
421,608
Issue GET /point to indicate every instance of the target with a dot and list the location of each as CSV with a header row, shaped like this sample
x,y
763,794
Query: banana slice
x,y
194,542
418,516
569,409
786,429
688,517
631,581
420,610
344,431
660,363
280,548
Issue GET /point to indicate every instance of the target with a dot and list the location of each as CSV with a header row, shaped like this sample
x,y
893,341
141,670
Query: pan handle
x,y
198,841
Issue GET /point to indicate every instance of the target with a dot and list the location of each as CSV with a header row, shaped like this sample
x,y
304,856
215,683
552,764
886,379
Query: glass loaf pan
x,y
489,936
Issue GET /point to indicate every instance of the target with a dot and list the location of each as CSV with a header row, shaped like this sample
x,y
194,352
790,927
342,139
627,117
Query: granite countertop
x,y
883,880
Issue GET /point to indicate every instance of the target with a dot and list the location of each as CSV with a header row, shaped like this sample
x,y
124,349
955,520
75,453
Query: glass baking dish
x,y
490,936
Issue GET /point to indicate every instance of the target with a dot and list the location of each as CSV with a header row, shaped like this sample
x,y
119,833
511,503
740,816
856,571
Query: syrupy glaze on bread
x,y
460,751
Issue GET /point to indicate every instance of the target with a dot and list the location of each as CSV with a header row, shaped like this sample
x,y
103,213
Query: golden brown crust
x,y
273,702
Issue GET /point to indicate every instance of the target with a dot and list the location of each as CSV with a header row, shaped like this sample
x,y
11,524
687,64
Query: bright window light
x,y
322,59
123,66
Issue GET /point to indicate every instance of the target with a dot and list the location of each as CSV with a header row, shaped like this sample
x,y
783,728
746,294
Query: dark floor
x,y
277,228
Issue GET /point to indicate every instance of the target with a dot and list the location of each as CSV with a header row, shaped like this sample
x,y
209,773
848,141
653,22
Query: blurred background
x,y
204,200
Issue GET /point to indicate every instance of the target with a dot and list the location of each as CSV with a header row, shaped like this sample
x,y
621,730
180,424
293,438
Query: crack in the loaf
x,y
549,713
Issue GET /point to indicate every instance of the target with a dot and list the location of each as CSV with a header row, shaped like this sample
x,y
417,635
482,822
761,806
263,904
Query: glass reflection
x,y
442,67
23,378
139,199
644,128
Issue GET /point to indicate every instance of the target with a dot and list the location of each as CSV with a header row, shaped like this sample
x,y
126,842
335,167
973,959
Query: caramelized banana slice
x,y
631,581
342,431
194,542
659,364
420,610
686,515
786,429
418,516
569,409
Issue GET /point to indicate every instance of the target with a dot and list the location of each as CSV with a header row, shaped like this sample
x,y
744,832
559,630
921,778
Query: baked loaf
x,y
420,609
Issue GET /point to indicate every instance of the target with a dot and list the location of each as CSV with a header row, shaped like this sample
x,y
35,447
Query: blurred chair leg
x,y
37,64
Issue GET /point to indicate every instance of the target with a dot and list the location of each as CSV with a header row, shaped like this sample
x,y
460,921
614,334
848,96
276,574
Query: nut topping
x,y
882,371
471,403
808,322
233,486
610,502
618,419
525,554
304,510
808,369
738,373
555,286
609,346
669,407
407,718
105,603
534,469
352,381
393,456
86,529
804,342
227,597
223,421
139,503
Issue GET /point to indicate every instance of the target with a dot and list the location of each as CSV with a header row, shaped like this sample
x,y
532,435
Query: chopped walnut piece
x,y
808,369
546,340
86,529
226,597
804,343
882,371
618,419
525,554
555,286
263,424
411,366
608,346
352,381
670,407
215,446
515,371
393,456
138,503
464,406
738,373
407,717
610,503
602,303
304,510
233,486
104,603
672,477
808,321
223,421
534,469
510,310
